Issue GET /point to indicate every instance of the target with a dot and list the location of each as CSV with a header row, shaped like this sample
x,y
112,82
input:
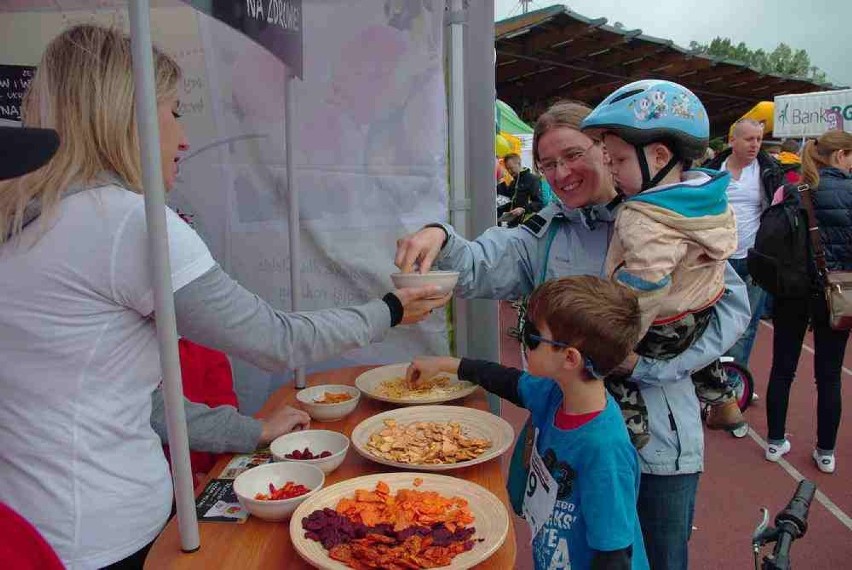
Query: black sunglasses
x,y
531,338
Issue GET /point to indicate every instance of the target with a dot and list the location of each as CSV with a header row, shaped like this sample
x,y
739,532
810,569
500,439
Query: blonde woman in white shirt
x,y
78,353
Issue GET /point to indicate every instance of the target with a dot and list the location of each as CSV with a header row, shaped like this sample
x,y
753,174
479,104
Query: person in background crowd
x,y
524,191
827,168
772,148
754,178
791,163
79,359
571,237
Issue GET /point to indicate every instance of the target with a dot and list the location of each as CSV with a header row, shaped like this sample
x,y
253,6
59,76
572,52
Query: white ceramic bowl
x,y
317,440
446,280
257,479
328,412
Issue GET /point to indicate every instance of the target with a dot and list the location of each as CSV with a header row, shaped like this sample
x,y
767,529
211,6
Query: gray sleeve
x,y
499,264
214,430
216,311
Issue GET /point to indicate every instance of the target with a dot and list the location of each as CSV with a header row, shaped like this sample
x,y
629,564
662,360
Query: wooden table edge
x,y
166,549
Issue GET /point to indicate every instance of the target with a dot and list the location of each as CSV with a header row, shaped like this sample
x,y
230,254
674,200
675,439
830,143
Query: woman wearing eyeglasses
x,y
572,238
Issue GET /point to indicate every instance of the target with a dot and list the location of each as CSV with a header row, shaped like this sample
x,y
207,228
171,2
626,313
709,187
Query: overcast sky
x,y
818,26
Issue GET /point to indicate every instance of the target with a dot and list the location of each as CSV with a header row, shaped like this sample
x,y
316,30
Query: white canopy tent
x,y
812,114
471,102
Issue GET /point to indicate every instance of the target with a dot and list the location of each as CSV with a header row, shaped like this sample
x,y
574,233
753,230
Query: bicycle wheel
x,y
741,378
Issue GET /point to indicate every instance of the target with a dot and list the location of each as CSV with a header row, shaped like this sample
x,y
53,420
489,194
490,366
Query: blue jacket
x,y
509,263
833,209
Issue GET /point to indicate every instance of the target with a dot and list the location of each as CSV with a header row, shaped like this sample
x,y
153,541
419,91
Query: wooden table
x,y
262,544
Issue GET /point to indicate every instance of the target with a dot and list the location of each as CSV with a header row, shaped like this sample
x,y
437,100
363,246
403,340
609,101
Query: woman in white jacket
x,y
78,352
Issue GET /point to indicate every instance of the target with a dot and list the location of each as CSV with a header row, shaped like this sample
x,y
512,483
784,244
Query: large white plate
x,y
491,518
370,383
474,423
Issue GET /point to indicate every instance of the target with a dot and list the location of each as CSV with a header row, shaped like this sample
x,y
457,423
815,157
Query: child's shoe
x,y
740,432
774,451
725,415
825,462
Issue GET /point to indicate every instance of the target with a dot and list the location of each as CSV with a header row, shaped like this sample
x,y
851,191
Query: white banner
x,y
370,150
812,114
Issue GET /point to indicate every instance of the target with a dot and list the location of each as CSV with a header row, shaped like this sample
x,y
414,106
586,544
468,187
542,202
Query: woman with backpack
x,y
826,166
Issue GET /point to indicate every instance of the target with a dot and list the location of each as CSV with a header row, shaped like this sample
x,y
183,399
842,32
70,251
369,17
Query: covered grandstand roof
x,y
554,53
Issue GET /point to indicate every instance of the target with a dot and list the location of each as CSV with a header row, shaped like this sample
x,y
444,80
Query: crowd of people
x,y
636,282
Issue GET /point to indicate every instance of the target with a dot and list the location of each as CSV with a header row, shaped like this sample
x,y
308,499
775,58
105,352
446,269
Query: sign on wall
x,y
14,80
812,114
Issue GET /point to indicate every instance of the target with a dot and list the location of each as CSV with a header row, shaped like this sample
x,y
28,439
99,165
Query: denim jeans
x,y
666,507
791,322
741,351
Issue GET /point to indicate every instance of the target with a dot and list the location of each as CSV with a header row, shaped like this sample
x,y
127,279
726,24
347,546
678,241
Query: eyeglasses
x,y
568,158
531,338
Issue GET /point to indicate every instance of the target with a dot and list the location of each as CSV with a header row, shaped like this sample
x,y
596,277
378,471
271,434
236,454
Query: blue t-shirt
x,y
597,471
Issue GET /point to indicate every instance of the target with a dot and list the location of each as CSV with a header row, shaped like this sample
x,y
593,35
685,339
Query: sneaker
x,y
825,463
740,432
775,452
726,416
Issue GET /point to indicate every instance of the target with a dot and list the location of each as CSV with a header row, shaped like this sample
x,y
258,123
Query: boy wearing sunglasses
x,y
580,497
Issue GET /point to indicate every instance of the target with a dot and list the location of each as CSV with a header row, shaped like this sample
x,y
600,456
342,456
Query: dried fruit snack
x,y
333,398
409,529
425,443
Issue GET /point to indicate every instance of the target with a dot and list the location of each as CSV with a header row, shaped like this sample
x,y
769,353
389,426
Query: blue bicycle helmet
x,y
654,110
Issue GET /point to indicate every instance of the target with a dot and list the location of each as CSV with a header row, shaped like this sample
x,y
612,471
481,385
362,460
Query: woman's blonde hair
x,y
561,114
817,154
83,88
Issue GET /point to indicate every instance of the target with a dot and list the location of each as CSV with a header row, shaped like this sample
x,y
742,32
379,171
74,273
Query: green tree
x,y
783,59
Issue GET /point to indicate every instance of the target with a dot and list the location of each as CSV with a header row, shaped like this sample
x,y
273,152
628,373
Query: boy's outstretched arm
x,y
497,379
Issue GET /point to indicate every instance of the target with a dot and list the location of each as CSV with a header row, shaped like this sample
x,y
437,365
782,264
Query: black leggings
x,y
790,319
133,562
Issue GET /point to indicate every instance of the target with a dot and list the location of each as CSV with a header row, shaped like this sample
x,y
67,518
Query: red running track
x,y
738,480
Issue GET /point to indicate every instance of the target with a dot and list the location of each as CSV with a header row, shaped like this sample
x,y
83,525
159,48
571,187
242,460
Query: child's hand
x,y
627,366
281,421
424,368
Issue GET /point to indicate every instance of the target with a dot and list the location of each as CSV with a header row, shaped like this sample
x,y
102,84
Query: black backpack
x,y
780,259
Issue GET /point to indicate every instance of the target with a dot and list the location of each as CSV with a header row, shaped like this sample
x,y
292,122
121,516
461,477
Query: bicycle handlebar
x,y
796,511
790,524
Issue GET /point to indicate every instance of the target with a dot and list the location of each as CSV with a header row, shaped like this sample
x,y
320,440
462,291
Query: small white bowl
x,y
257,479
445,280
317,440
328,412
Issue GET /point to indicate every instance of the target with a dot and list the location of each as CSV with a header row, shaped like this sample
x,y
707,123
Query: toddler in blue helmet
x,y
673,234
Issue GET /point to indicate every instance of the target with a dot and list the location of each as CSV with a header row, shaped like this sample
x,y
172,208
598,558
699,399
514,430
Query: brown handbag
x,y
837,284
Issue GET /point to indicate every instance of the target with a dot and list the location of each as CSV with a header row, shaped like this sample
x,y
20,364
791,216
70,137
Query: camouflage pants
x,y
664,342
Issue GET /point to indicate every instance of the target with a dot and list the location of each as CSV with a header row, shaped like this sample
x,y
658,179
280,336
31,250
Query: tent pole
x,y
293,207
483,342
158,245
459,203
